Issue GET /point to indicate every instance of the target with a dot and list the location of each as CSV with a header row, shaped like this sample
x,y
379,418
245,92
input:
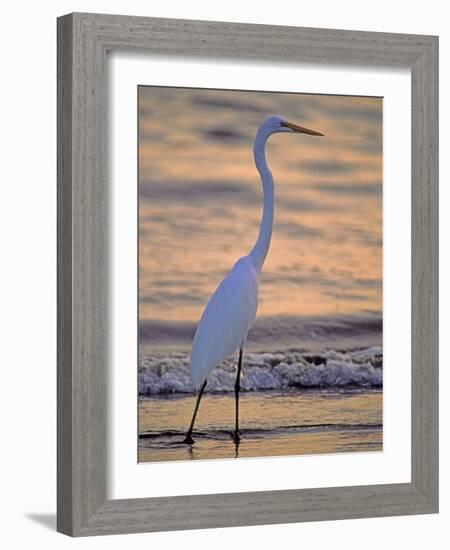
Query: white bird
x,y
231,310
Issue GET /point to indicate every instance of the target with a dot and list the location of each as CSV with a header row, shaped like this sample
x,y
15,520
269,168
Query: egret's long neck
x,y
259,251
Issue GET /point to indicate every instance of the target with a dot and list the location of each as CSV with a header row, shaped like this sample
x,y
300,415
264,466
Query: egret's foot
x,y
236,437
189,440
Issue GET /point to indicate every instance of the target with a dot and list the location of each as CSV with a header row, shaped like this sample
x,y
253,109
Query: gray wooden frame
x,y
83,41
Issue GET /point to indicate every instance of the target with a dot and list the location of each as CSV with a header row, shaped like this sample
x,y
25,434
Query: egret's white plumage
x,y
226,320
232,308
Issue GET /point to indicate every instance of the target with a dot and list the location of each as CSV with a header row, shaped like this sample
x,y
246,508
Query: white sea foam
x,y
170,373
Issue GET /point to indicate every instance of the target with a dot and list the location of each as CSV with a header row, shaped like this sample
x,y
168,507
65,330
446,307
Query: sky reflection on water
x,y
200,201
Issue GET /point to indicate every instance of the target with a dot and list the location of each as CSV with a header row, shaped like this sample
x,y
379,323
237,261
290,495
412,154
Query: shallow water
x,y
292,422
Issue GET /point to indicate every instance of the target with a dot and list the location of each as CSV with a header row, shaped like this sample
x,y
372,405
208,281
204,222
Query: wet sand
x,y
292,422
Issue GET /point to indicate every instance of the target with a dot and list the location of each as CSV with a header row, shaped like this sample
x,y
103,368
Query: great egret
x,y
231,310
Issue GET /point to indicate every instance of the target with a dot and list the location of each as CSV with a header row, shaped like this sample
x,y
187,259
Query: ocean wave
x,y
169,373
274,330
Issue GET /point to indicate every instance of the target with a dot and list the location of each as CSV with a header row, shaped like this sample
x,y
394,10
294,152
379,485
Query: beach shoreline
x,y
273,423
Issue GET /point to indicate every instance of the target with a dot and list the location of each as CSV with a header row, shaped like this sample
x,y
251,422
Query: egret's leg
x,y
189,439
237,388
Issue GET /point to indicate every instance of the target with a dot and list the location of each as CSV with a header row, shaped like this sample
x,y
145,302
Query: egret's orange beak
x,y
300,129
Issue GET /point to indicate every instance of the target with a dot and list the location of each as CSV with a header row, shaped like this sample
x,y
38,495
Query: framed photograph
x,y
247,274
